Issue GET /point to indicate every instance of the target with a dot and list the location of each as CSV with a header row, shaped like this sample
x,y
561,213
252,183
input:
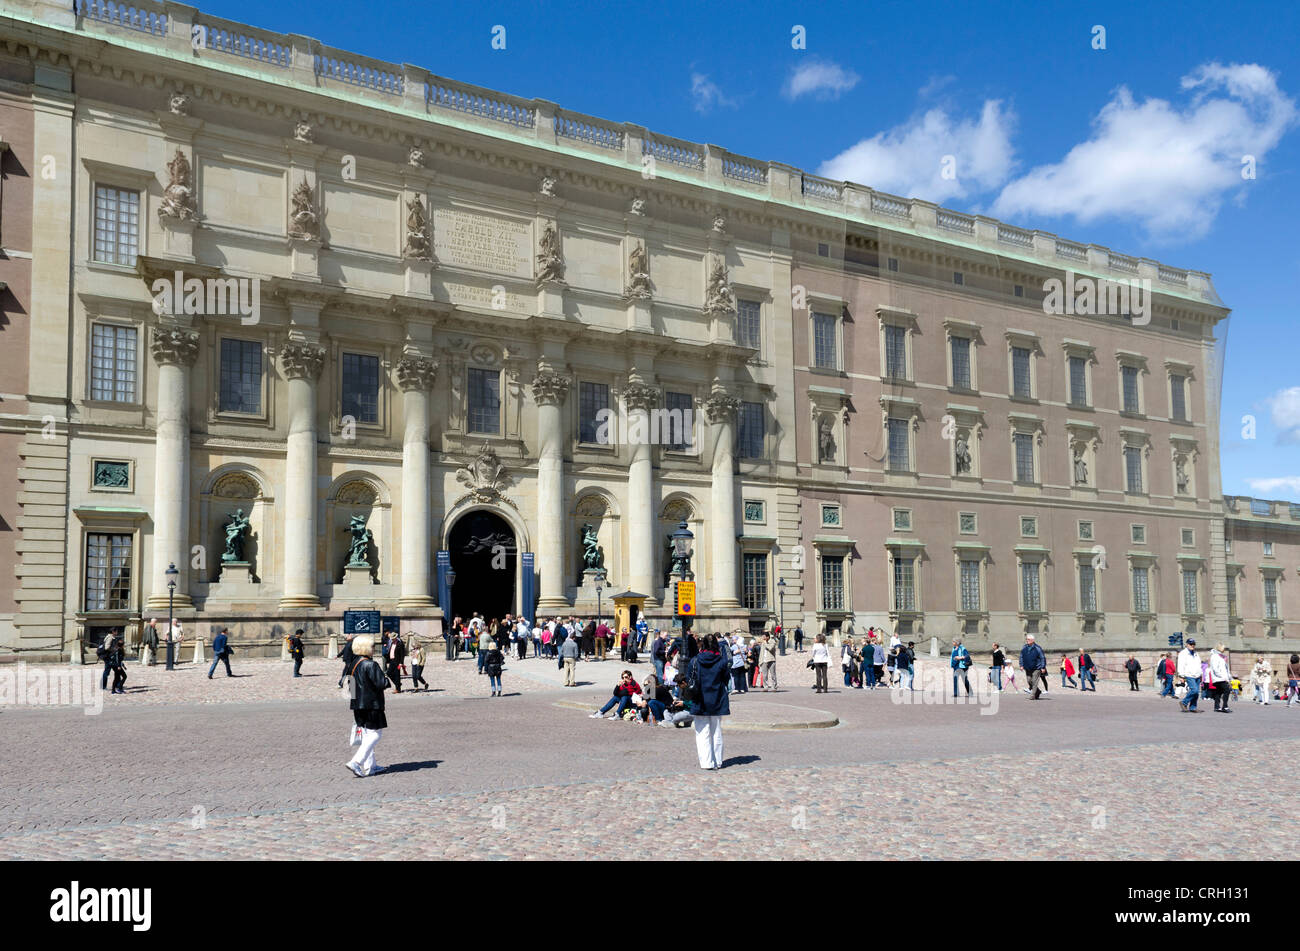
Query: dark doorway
x,y
484,556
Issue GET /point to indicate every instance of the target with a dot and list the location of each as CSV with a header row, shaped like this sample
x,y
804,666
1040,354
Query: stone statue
x,y
235,529
304,222
1181,476
1080,467
417,244
303,132
415,157
825,440
962,452
546,186
359,552
719,298
179,104
638,207
720,223
550,260
592,559
638,265
178,197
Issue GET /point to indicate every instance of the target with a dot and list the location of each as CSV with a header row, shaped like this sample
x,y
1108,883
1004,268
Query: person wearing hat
x,y
1189,668
296,651
367,703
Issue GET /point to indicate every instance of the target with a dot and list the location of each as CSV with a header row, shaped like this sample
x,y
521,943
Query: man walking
x,y
1189,668
396,651
1034,663
221,651
959,660
296,651
659,655
798,639
1087,672
149,644
345,655
767,660
569,650
906,659
999,661
107,653
1134,668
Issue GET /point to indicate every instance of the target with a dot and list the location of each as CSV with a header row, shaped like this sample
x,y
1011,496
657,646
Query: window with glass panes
x,y
1189,591
1130,378
895,352
749,323
1078,381
241,376
117,225
961,363
112,363
1178,395
1087,588
970,585
1270,598
1141,590
1020,371
1133,468
678,421
1232,596
1030,596
360,394
904,584
899,457
755,581
1024,457
832,582
824,351
592,398
484,401
108,572
751,431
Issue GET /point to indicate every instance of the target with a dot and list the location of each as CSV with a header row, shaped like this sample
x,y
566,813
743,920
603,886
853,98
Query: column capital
x,y
550,388
174,346
720,408
302,361
639,396
415,372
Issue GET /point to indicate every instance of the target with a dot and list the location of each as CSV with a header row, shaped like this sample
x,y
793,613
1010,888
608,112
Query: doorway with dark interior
x,y
484,555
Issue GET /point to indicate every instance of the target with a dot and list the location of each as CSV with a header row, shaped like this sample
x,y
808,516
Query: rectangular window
x,y
1270,598
970,586
484,401
958,278
1028,526
893,264
966,523
749,323
117,225
902,520
1130,377
1141,591
1018,290
1232,596
832,582
1024,457
360,387
679,421
1178,396
1087,589
592,399
1078,381
112,363
824,351
1085,531
241,376
1030,597
1189,538
1020,372
1268,549
752,430
755,575
1261,507
900,459
1138,534
1189,591
1133,469
904,584
108,572
961,363
895,352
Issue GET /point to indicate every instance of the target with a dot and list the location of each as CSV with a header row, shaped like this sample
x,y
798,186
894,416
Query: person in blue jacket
x,y
221,651
959,660
710,670
1034,663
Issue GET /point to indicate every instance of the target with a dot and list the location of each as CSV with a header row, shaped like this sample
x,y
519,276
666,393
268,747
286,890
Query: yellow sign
x,y
686,598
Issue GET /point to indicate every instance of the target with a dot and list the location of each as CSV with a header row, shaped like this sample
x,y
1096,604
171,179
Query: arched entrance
x,y
484,555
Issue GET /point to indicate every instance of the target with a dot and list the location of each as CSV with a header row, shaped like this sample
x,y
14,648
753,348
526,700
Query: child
x,y
1009,677
492,666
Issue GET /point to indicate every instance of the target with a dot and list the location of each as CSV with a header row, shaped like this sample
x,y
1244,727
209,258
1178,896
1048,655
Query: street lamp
x,y
446,613
682,539
171,574
600,585
780,588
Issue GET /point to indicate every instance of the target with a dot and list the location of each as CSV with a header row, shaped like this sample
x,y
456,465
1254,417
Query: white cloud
x,y
820,78
1271,488
908,160
706,94
1284,405
1168,167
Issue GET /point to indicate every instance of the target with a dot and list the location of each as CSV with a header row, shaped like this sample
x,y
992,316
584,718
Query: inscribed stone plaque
x,y
478,241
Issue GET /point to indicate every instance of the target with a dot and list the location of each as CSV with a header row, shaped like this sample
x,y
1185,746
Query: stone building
x,y
335,331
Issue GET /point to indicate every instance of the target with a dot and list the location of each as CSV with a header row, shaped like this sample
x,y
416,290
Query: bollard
x,y
199,658
934,647
284,649
332,649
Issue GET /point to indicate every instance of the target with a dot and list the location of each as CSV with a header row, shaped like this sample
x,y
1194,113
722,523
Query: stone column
x,y
415,376
639,399
720,410
549,391
174,350
302,362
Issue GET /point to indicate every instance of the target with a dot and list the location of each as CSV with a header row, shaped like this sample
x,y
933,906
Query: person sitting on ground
x,y
654,700
624,691
681,711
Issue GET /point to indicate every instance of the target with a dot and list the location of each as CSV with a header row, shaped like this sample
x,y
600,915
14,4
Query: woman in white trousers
x,y
712,675
368,683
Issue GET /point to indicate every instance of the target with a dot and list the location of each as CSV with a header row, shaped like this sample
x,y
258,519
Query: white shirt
x,y
1189,664
475,623
894,642
820,655
1219,667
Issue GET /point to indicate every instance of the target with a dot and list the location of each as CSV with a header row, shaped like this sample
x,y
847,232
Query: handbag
x,y
354,735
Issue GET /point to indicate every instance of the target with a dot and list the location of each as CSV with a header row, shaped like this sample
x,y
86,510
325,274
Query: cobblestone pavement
x,y
261,775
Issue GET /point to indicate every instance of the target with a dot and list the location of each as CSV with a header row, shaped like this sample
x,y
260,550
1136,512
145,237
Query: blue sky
x,y
1137,146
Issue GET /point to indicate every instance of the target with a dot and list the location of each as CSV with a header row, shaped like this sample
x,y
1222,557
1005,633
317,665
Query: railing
x,y
894,207
1172,275
675,153
356,74
822,188
476,104
1122,262
745,171
249,47
119,14
1016,236
1071,251
953,221
590,132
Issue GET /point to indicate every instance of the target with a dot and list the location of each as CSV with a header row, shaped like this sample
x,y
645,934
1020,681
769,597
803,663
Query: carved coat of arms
x,y
485,477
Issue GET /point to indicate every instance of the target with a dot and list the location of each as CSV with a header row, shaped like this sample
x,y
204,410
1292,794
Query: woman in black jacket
x,y
368,683
710,673
495,663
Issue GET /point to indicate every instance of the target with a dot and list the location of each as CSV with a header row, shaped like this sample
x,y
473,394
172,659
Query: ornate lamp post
x,y
780,587
171,574
682,539
600,586
447,642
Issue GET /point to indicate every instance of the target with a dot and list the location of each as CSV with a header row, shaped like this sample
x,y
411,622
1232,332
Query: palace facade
x,y
322,332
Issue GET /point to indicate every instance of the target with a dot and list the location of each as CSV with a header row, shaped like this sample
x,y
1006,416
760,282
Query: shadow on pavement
x,y
411,767
740,761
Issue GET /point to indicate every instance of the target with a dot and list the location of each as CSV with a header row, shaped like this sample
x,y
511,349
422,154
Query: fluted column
x,y
174,350
720,410
639,400
302,364
549,391
415,376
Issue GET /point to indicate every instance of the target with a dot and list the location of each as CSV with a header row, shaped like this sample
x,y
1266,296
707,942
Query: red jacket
x,y
1069,668
627,689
